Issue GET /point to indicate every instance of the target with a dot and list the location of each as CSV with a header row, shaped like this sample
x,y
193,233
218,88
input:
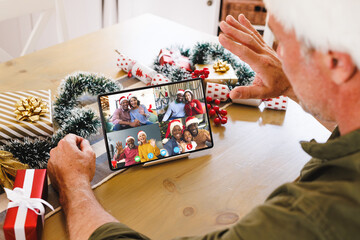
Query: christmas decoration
x,y
214,110
221,66
24,217
222,92
27,108
69,116
206,53
279,103
140,71
30,108
219,76
203,73
174,57
8,167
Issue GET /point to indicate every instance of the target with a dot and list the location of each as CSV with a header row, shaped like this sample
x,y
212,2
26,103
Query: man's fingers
x,y
245,22
233,22
243,52
246,92
85,146
240,37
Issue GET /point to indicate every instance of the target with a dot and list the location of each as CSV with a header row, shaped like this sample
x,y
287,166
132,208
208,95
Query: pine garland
x,y
69,117
205,53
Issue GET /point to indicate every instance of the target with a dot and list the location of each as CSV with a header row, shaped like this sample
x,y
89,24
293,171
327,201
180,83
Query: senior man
x,y
320,57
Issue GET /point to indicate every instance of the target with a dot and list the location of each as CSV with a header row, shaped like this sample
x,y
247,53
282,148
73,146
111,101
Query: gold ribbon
x,y
30,108
221,66
8,167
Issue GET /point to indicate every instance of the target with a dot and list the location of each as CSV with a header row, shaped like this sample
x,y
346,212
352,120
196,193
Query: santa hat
x,y
188,90
138,135
171,125
315,29
141,132
123,98
131,96
180,91
128,138
191,120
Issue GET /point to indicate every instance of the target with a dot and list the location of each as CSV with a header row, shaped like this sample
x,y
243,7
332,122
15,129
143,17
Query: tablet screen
x,y
154,122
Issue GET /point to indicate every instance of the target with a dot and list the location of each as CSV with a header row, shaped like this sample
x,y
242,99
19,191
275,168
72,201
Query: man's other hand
x,y
71,163
240,38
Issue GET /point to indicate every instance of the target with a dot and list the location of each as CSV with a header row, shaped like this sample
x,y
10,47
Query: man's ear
x,y
341,66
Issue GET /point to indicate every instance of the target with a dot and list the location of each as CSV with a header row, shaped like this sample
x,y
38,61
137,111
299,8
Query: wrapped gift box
x,y
174,57
219,77
11,128
21,222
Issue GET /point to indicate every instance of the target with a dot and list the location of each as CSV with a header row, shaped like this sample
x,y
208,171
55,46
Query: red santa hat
x,y
191,120
171,125
128,138
123,98
180,91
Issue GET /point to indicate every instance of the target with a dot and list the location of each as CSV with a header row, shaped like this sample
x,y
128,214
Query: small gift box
x,y
220,75
25,114
165,57
174,57
25,215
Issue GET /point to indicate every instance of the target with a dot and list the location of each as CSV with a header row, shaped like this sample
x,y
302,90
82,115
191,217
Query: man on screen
x,y
200,136
176,108
129,153
121,117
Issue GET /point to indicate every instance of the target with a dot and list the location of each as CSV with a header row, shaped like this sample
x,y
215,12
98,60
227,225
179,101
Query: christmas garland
x,y
69,117
206,53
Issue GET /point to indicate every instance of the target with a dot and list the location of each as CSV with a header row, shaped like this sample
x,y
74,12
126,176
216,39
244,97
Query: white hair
x,y
322,24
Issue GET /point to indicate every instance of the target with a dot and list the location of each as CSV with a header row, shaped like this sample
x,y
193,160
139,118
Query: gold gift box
x,y
219,77
11,128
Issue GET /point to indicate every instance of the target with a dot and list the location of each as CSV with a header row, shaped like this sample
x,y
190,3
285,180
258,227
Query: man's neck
x,y
347,109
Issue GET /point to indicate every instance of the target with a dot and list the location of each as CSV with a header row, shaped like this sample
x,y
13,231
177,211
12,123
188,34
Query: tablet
x,y
154,122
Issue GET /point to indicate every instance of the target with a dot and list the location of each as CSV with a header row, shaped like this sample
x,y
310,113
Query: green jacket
x,y
323,204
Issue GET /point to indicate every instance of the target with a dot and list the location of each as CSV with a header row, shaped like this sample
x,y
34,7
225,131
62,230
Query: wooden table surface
x,y
256,151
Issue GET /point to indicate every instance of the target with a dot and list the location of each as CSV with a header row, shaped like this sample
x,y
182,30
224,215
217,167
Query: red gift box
x,y
174,58
21,222
165,57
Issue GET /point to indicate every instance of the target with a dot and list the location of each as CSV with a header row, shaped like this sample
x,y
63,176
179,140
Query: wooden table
x,y
253,154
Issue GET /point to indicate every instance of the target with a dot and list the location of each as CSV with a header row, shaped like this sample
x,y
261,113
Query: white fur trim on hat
x,y
129,137
188,90
191,121
140,132
322,25
175,124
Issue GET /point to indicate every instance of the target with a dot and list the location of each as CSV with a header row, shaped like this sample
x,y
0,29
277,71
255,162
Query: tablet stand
x,y
168,159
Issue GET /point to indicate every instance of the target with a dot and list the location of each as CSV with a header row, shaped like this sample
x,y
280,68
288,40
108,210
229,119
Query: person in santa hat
x,y
176,108
128,153
146,147
200,136
121,117
192,106
174,145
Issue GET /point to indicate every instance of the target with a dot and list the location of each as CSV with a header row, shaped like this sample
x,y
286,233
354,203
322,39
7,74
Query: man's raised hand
x,y
240,38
